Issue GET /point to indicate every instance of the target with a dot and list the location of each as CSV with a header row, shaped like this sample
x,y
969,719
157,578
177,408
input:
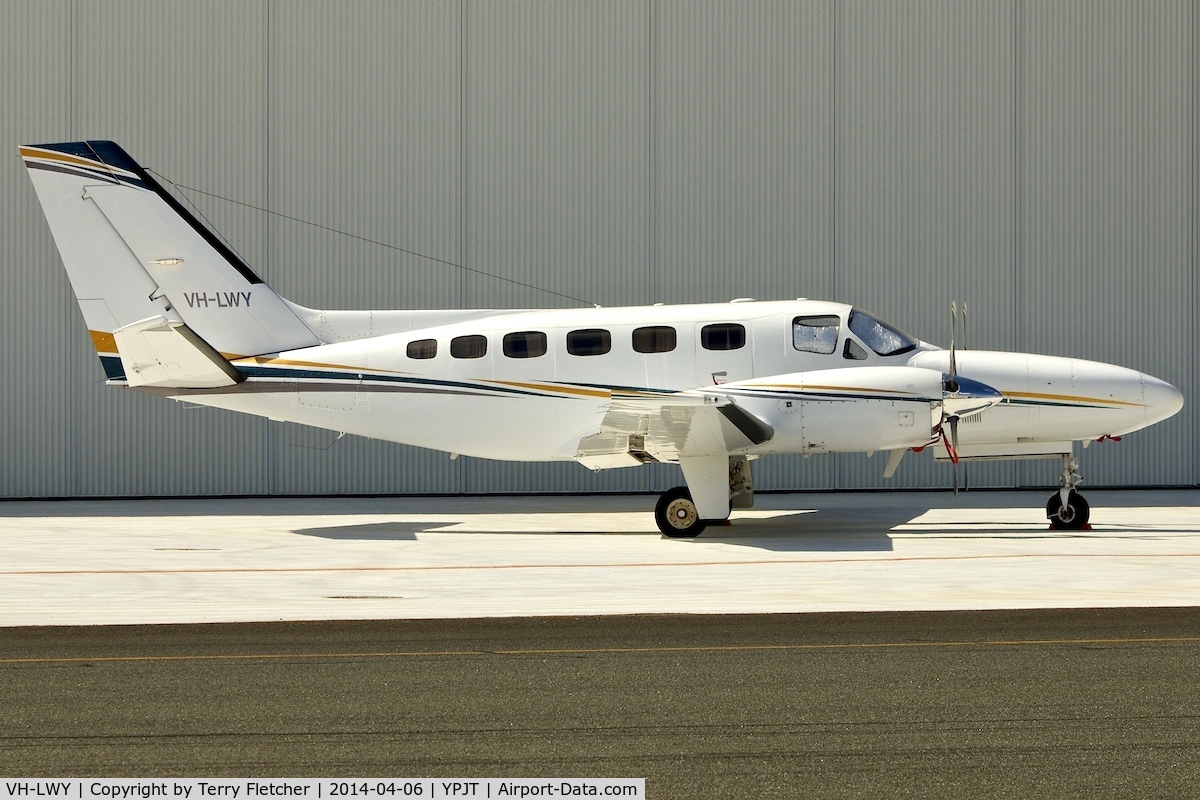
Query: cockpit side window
x,y
853,351
884,339
817,334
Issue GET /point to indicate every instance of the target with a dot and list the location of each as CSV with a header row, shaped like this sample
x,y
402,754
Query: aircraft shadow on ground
x,y
373,532
840,529
809,530
840,526
799,531
843,525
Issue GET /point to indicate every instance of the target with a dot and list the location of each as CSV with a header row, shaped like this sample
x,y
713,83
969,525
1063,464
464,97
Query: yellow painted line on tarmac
x,y
598,565
735,648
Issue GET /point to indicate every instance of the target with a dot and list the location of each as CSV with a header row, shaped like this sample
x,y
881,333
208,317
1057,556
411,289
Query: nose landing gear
x,y
1067,509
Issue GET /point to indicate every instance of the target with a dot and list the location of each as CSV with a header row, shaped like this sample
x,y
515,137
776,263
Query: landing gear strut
x,y
725,482
1067,509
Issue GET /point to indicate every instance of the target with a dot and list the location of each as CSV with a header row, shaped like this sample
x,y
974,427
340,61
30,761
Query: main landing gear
x,y
726,482
1067,509
676,514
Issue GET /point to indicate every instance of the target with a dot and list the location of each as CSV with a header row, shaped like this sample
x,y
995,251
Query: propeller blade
x,y
952,384
964,324
951,450
954,451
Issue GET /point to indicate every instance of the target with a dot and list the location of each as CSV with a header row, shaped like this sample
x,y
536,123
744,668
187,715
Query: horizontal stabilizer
x,y
160,353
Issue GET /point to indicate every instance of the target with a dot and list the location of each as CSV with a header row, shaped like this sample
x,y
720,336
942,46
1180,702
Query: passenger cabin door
x,y
724,353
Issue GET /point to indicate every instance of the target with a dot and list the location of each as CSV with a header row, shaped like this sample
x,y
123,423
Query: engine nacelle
x,y
845,410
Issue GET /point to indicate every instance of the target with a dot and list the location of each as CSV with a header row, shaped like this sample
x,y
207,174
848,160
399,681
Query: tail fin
x,y
144,269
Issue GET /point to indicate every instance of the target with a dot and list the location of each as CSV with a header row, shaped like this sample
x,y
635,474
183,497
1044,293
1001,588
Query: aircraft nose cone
x,y
1161,398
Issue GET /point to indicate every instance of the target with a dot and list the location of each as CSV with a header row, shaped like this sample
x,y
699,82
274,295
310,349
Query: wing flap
x,y
665,428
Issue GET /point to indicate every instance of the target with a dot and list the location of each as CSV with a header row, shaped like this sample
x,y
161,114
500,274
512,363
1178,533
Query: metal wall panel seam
x,y
652,44
74,398
651,266
1018,174
833,129
269,432
464,177
833,200
460,473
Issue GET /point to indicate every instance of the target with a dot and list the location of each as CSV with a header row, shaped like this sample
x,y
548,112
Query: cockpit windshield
x,y
883,338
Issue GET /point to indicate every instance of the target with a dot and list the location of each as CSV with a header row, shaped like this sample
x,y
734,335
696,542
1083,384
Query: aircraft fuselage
x,y
515,402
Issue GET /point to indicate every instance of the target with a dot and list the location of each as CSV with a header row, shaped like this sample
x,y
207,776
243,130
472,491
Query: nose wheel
x,y
1067,509
1070,516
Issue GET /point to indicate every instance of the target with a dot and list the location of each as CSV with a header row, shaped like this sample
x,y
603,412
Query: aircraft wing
x,y
640,428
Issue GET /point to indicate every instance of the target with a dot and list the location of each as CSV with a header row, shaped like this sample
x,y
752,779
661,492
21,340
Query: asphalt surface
x,y
1074,703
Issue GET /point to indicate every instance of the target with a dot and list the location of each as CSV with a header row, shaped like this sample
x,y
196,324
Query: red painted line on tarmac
x,y
636,565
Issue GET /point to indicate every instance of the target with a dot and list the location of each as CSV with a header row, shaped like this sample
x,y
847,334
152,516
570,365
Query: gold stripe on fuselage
x,y
818,387
557,388
1069,398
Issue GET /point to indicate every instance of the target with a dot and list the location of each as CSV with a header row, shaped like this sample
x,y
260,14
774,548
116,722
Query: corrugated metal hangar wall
x,y
1036,158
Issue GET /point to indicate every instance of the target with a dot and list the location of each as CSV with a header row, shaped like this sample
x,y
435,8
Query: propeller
x,y
966,471
961,397
952,388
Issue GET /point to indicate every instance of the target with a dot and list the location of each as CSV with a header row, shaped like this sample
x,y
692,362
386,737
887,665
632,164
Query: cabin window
x,y
525,344
884,339
589,342
654,339
853,351
723,336
468,346
817,334
422,348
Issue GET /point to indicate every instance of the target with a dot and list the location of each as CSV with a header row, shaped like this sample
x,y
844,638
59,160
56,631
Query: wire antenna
x,y
482,273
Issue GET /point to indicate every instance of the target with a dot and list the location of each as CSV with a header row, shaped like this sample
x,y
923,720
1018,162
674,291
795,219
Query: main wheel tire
x,y
1071,517
676,514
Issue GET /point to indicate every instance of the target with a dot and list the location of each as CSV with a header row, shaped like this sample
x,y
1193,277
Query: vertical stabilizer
x,y
133,253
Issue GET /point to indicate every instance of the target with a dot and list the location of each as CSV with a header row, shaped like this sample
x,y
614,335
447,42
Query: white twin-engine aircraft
x,y
173,311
